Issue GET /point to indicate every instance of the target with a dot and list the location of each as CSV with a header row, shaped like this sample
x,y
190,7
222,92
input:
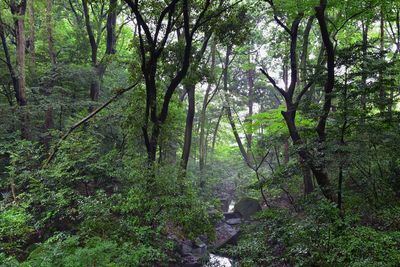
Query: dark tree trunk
x,y
19,12
189,126
320,173
110,26
307,177
250,103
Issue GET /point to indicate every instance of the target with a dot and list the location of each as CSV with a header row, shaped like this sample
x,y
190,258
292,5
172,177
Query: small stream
x,y
231,206
219,261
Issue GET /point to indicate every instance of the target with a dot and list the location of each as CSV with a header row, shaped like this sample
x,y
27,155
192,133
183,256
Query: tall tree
x,y
50,27
18,11
151,45
317,166
99,66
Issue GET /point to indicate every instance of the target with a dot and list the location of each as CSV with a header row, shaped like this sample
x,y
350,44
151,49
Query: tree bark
x,y
307,177
365,28
202,119
32,33
18,10
320,172
189,126
50,27
250,102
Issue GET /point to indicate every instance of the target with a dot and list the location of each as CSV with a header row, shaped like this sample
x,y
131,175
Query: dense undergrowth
x,y
320,236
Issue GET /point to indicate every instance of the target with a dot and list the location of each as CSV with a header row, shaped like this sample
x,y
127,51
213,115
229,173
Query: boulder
x,y
199,248
191,261
247,207
225,234
185,247
234,221
232,215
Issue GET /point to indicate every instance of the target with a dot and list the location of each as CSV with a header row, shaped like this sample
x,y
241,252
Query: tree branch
x,y
272,81
84,120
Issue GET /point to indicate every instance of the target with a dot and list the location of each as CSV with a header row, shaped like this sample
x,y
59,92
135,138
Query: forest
x,y
200,133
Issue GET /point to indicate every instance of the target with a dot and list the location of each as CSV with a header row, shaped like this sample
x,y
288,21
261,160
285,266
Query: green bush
x,y
318,237
15,228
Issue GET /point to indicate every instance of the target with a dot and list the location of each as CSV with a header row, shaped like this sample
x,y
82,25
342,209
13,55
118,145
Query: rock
x,y
191,261
185,247
226,234
199,248
225,204
212,212
232,215
234,221
247,207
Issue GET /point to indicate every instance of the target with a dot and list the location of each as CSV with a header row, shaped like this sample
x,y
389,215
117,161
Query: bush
x,y
14,228
319,237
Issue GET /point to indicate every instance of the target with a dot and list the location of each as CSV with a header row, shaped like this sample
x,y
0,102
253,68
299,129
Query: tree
x,y
99,67
152,43
318,169
18,74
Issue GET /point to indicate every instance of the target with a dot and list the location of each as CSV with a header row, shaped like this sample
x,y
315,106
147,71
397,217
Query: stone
x,y
185,247
234,221
191,261
226,234
225,204
232,215
247,207
199,248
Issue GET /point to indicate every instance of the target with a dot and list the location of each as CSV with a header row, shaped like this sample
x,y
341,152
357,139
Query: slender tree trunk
x,y
49,121
50,27
10,66
250,103
365,28
215,134
18,11
286,156
382,93
32,30
202,120
20,40
307,177
342,143
189,126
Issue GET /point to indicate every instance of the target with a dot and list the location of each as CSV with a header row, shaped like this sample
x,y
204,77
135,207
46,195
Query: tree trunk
x,y
215,134
10,66
189,126
202,120
307,177
110,26
365,27
32,30
382,93
50,27
250,102
20,94
320,173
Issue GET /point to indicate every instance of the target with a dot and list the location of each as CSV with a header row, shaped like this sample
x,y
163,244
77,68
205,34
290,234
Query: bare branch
x,y
272,81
